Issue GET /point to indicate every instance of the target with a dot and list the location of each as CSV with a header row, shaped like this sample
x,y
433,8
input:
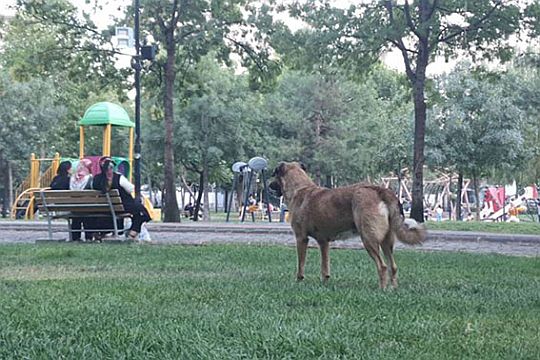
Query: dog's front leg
x,y
324,245
301,249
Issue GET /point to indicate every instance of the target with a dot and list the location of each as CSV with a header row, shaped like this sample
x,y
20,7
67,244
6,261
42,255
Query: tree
x,y
477,127
419,30
342,130
26,112
49,40
188,30
522,82
217,124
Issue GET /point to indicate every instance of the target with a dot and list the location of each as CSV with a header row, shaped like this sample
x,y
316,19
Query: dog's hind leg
x,y
388,250
301,249
371,231
324,245
372,248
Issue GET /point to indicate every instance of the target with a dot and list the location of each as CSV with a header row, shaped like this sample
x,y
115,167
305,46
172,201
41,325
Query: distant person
x,y
282,210
188,210
62,178
538,208
251,200
253,207
427,214
513,213
109,180
438,213
81,179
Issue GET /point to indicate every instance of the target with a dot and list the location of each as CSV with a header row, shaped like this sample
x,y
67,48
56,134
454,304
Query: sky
x,y
102,19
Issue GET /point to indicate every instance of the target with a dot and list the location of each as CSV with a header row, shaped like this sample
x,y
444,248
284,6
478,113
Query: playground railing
x,y
22,187
47,177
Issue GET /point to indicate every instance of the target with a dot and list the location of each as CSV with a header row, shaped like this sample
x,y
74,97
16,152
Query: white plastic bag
x,y
127,224
145,234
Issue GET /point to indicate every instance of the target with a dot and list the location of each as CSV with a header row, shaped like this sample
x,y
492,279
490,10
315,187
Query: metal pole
x,y
10,184
246,198
266,200
137,68
229,204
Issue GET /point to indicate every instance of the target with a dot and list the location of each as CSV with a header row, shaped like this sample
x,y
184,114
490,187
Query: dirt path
x,y
281,236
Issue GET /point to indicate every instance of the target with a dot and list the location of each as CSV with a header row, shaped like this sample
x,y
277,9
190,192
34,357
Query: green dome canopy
x,y
104,113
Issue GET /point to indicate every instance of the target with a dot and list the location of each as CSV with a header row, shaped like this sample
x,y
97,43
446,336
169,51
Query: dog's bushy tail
x,y
410,232
407,231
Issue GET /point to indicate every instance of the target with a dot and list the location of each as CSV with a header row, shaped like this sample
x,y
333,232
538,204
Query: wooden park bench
x,y
69,204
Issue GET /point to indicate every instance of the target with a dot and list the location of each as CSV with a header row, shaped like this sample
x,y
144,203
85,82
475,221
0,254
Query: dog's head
x,y
280,173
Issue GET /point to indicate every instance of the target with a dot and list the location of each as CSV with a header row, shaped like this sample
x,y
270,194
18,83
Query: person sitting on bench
x,y
81,179
61,180
107,180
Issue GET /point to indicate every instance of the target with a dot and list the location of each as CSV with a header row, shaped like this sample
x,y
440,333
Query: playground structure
x,y
436,192
497,204
497,201
102,114
249,170
24,194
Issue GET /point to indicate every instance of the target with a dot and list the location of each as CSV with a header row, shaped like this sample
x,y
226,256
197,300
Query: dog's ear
x,y
279,170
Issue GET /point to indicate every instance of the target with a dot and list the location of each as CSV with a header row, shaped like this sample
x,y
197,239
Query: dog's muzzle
x,y
275,188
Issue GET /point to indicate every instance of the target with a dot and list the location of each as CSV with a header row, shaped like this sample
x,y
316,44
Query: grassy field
x,y
241,302
492,227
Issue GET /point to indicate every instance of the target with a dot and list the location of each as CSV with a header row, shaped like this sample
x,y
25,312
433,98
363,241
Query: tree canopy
x,y
231,82
419,30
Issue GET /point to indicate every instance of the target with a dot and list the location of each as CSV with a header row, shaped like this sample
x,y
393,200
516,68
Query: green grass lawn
x,y
241,302
492,227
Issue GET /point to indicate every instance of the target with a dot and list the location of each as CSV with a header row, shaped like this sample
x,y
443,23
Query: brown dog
x,y
327,214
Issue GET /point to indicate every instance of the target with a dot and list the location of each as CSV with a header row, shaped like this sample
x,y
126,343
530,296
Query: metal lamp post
x,y
136,64
128,38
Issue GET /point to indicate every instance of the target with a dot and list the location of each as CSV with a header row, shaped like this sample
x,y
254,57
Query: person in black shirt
x,y
107,180
61,180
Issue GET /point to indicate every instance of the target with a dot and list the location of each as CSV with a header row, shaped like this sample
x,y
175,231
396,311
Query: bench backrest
x,y
80,201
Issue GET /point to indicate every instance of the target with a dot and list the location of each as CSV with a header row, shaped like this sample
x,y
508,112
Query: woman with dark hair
x,y
61,180
107,180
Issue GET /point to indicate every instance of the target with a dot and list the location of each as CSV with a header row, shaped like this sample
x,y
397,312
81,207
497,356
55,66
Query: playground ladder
x,y
24,194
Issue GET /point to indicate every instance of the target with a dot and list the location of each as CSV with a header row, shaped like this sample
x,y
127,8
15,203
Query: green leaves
x,y
27,111
340,128
478,125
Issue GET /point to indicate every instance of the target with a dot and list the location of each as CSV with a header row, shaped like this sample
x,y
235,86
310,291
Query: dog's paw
x,y
299,278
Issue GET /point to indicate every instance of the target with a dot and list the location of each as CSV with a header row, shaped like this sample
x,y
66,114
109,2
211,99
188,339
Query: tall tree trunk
x,y
417,210
476,196
172,214
318,175
206,202
418,80
225,201
199,197
216,200
328,181
205,170
448,205
459,215
10,184
416,73
5,195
